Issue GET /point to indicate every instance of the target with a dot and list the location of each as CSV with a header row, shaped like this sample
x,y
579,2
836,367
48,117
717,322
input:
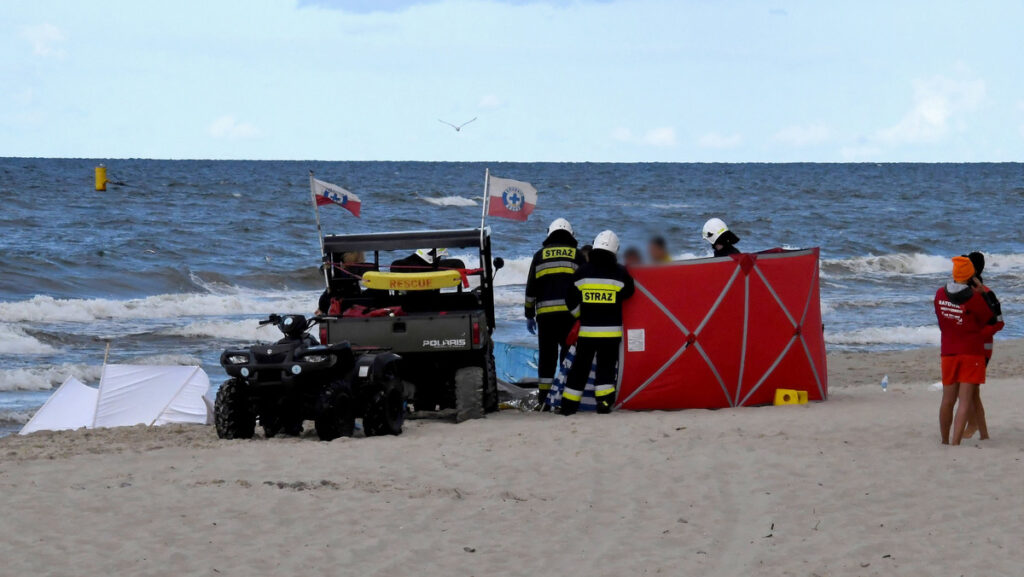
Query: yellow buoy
x,y
101,178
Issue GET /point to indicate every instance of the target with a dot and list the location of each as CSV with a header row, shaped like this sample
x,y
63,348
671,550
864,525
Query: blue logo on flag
x,y
513,199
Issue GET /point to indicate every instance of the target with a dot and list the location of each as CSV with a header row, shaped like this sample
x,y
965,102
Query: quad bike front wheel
x,y
233,412
334,417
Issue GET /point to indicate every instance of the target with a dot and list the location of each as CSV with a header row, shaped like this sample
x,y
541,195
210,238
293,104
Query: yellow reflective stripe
x,y
552,309
575,312
600,334
599,286
571,395
605,392
555,270
544,386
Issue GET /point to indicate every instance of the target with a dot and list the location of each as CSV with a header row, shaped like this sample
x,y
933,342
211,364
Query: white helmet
x,y
713,229
608,241
560,224
429,254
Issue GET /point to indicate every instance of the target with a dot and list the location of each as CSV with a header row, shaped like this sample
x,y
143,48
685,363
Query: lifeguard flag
x,y
327,193
510,198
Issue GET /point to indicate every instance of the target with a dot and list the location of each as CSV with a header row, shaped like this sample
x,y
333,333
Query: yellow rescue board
x,y
412,281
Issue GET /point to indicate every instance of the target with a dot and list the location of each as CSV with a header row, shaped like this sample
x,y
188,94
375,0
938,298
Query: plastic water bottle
x,y
885,383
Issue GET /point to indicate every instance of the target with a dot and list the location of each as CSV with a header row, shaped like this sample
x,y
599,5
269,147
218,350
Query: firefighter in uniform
x,y
547,314
599,289
723,240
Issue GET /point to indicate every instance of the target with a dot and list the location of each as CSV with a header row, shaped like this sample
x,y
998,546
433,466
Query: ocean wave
x,y
899,335
45,377
14,341
8,418
247,331
915,264
44,309
451,201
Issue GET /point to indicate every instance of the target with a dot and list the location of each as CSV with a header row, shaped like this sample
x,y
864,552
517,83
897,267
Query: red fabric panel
x,y
709,298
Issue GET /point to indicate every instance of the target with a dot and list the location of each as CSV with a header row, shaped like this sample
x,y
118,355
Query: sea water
x,y
182,260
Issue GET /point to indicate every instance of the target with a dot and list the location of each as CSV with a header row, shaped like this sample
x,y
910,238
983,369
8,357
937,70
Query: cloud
x,y
716,140
46,39
938,102
489,102
369,6
226,127
662,136
803,135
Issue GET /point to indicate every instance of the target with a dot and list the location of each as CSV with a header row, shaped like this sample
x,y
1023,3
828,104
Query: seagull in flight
x,y
459,127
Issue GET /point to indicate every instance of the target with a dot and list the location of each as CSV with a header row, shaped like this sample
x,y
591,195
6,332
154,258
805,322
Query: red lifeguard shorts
x,y
963,369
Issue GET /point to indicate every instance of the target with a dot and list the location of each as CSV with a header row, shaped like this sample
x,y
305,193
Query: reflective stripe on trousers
x,y
601,332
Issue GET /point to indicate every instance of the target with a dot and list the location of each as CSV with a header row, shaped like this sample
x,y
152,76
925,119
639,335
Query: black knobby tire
x,y
386,412
469,394
491,384
334,417
233,412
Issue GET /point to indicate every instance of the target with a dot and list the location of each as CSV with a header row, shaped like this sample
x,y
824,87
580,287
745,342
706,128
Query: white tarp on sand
x,y
128,395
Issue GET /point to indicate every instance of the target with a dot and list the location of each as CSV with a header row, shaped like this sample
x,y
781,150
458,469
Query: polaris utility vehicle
x,y
398,291
298,379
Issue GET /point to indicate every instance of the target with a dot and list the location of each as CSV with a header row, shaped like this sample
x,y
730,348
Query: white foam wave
x,y
14,341
899,335
917,264
14,417
669,205
48,309
451,201
46,377
247,331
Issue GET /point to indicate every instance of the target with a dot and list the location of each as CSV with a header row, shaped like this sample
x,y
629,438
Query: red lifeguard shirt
x,y
963,321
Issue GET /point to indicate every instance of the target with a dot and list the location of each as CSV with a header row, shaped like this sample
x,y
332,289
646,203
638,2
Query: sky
x,y
547,80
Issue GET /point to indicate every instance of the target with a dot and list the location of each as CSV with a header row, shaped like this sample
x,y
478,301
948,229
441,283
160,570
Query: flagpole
x,y
486,201
319,231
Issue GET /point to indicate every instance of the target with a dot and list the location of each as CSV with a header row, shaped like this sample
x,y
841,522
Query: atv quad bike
x,y
427,313
297,379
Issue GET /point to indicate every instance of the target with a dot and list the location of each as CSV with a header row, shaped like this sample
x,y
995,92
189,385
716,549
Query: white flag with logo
x,y
327,193
510,198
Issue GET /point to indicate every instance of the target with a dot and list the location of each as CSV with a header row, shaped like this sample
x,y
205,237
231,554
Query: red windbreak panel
x,y
724,332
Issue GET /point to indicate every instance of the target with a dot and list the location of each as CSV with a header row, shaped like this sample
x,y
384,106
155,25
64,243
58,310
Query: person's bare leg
x,y
949,395
979,414
966,400
972,419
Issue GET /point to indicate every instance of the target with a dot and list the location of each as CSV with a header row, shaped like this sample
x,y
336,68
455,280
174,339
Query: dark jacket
x,y
599,289
551,275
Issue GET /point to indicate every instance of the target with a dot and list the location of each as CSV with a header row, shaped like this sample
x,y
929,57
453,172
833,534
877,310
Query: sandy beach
x,y
857,485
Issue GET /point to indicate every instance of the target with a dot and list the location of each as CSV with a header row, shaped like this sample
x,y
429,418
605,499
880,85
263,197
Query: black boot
x,y
569,407
605,404
542,400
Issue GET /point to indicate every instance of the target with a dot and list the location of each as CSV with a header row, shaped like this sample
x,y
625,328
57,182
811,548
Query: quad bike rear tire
x,y
334,417
469,393
386,411
233,412
491,384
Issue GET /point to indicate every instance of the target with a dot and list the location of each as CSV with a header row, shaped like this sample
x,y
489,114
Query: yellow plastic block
x,y
412,281
790,397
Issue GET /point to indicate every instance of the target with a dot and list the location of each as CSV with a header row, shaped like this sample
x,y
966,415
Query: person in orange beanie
x,y
963,317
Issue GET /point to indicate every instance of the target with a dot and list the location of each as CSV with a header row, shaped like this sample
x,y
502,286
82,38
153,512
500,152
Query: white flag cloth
x,y
327,193
510,198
